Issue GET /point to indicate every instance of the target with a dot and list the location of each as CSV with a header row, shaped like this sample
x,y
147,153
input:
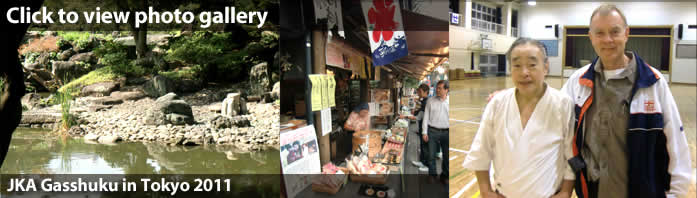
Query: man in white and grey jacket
x,y
629,139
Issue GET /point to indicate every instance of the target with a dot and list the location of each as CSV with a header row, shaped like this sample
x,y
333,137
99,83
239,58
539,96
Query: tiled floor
x,y
467,102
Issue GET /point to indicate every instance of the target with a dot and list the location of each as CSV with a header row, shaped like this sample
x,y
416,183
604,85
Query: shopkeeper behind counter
x,y
359,119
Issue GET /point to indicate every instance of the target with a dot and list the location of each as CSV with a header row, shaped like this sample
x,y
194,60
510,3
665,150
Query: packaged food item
x,y
381,194
369,192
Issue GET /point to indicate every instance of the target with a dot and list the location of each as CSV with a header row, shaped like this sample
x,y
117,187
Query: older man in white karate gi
x,y
526,132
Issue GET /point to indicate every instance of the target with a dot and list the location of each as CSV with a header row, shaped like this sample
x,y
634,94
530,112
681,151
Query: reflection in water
x,y
41,152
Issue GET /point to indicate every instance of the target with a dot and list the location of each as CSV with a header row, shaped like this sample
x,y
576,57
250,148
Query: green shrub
x,y
115,55
79,40
199,48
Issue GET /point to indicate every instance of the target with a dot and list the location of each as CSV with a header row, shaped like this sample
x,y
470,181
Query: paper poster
x,y
299,158
326,115
325,92
316,92
332,90
385,30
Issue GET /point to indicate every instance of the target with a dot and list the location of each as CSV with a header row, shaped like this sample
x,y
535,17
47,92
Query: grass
x,y
104,74
67,119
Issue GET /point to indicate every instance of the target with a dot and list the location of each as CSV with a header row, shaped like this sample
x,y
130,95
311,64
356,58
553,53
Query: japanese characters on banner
x,y
385,30
299,158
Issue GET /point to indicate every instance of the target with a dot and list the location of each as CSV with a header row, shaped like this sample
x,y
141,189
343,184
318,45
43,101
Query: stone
x,y
99,89
43,58
276,91
66,54
76,130
243,107
179,119
67,70
224,122
136,81
259,78
128,95
91,137
231,105
87,57
31,101
40,118
158,86
109,139
106,101
170,109
32,66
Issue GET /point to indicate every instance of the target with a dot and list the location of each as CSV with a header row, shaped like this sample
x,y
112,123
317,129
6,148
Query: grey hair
x,y
606,9
522,40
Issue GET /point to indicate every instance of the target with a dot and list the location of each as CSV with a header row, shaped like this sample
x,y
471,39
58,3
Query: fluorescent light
x,y
532,3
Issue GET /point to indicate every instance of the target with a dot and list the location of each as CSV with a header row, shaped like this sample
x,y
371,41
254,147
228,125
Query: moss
x,y
104,74
186,73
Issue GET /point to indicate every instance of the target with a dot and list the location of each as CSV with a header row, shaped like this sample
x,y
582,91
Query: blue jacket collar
x,y
646,77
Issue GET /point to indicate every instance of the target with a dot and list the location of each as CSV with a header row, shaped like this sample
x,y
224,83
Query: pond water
x,y
37,151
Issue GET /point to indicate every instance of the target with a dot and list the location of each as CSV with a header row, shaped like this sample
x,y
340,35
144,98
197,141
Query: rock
x,y
99,89
109,139
106,101
243,107
136,81
76,130
43,58
128,95
50,33
170,109
223,122
91,137
231,105
259,78
32,66
32,118
67,70
31,101
215,107
158,86
179,119
87,57
276,91
96,107
66,54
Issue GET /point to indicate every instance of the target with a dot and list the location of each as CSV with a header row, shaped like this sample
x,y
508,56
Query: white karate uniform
x,y
530,162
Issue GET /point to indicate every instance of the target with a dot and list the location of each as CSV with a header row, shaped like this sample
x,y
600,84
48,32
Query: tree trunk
x,y
11,70
141,39
141,36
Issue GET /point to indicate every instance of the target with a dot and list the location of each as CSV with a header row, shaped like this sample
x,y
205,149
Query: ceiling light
x,y
532,3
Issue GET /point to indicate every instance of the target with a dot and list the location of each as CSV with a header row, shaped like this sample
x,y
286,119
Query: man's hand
x,y
425,137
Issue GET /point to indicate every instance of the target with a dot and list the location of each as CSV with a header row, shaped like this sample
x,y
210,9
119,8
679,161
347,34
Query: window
x,y
486,18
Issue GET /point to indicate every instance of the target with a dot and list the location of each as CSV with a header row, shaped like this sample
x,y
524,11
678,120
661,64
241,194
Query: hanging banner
x,y
385,30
